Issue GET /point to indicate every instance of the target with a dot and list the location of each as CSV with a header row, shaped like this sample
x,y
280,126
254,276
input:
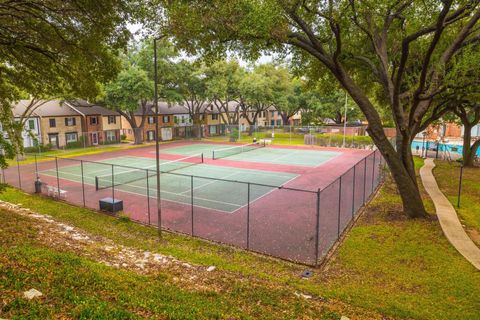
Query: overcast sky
x,y
262,60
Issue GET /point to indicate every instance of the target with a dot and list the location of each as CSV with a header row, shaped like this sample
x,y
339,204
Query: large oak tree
x,y
56,48
403,45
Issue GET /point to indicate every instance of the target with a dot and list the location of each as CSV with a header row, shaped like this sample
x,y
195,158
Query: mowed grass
x,y
388,265
448,178
79,288
282,137
401,267
69,153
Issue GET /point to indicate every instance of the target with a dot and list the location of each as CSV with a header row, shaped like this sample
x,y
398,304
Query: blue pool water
x,y
453,148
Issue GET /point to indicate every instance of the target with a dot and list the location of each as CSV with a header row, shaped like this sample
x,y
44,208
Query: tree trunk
x,y
405,178
285,118
138,135
469,150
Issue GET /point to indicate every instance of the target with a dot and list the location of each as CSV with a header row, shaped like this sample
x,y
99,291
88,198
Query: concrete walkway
x,y
448,218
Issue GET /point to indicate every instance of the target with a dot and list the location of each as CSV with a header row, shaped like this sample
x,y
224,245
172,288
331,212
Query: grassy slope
x,y
387,264
76,287
447,176
403,267
75,152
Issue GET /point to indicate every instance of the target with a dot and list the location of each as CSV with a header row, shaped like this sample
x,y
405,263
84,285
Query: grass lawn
x,y
287,138
447,175
29,158
388,266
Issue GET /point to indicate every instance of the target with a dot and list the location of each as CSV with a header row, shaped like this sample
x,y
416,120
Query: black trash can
x,y
38,186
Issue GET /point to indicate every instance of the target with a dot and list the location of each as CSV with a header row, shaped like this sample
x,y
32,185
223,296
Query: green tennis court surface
x,y
294,157
176,186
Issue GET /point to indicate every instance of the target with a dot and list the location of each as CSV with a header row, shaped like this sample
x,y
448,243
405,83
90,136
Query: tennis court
x,y
215,187
292,203
256,153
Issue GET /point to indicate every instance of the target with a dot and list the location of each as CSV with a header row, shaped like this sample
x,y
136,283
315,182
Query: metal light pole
x,y
345,120
460,186
424,152
157,146
239,127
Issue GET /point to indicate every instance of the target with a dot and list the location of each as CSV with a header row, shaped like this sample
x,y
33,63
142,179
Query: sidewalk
x,y
452,228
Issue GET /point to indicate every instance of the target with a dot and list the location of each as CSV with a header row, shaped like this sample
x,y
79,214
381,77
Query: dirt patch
x,y
67,238
474,234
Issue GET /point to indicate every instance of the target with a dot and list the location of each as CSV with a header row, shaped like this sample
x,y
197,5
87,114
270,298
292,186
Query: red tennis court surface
x,y
298,221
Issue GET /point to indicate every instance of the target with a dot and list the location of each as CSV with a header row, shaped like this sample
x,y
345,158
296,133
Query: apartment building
x,y
59,123
99,125
31,133
170,115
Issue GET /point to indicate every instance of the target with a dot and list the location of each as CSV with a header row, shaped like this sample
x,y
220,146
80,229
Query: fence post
x,y
364,178
113,184
317,235
248,215
83,182
373,169
148,197
19,175
36,167
339,206
58,179
460,186
353,196
191,199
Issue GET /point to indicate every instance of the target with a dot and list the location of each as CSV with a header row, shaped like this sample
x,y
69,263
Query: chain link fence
x,y
300,225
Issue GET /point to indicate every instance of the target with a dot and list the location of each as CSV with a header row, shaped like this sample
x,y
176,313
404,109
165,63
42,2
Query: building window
x,y
53,139
112,119
166,119
70,121
93,120
279,122
150,135
272,122
71,137
52,123
31,124
213,130
151,120
215,116
273,113
111,136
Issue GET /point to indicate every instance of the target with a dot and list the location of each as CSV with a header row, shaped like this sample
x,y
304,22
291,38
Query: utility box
x,y
111,205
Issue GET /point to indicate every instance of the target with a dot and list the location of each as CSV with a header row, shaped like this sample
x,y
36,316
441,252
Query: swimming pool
x,y
453,148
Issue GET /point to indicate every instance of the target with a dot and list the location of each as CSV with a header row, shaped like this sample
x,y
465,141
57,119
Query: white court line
x,y
222,169
208,183
60,171
264,195
303,163
169,200
140,187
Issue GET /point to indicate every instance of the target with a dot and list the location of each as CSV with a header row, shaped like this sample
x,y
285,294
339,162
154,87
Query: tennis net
x,y
129,175
227,152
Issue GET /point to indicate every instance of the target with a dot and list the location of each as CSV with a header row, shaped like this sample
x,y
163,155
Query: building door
x,y
94,137
53,140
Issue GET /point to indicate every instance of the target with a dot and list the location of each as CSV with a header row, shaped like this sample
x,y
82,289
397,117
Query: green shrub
x,y
74,144
39,148
233,135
